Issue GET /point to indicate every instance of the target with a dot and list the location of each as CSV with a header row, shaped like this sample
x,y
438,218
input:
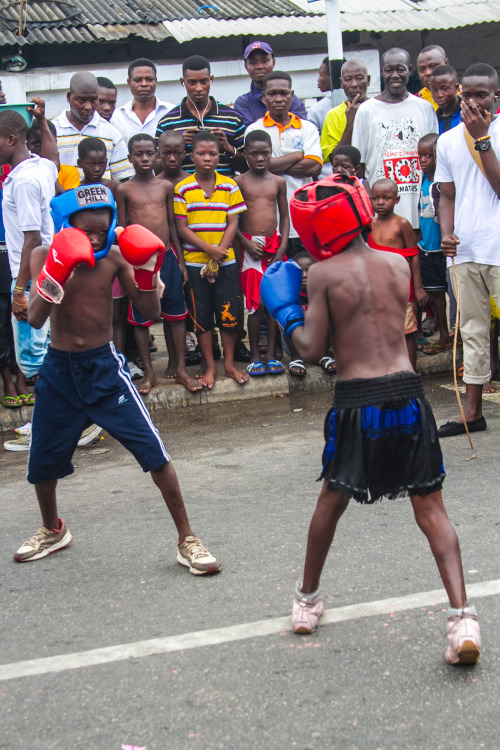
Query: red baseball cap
x,y
264,46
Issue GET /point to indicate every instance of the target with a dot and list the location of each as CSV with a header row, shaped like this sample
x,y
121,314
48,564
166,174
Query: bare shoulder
x,y
403,223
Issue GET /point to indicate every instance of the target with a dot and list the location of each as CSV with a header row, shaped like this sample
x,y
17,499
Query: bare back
x,y
146,202
261,199
364,293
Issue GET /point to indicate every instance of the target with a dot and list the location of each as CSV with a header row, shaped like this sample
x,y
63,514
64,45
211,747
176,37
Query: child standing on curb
x,y
394,233
206,206
147,200
262,242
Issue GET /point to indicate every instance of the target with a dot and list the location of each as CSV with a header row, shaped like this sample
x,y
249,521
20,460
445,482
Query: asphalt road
x,y
186,662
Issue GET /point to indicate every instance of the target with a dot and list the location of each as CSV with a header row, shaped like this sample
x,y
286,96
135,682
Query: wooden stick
x,y
21,11
455,354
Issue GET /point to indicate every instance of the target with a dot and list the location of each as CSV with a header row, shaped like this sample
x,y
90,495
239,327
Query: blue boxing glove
x,y
280,292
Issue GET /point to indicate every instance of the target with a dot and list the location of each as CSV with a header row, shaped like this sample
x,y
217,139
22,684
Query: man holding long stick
x,y
468,171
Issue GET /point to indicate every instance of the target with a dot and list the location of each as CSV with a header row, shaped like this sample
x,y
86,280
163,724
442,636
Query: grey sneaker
x,y
135,372
89,435
43,543
194,555
18,444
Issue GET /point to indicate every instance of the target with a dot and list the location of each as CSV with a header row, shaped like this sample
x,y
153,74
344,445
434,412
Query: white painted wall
x,y
231,79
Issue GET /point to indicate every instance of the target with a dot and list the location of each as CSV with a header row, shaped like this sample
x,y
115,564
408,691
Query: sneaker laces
x,y
470,615
196,549
38,537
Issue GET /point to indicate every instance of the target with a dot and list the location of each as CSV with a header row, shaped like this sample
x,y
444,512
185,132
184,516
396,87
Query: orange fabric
x,y
295,122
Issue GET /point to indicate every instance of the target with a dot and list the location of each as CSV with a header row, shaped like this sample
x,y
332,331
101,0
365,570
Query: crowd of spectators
x,y
205,165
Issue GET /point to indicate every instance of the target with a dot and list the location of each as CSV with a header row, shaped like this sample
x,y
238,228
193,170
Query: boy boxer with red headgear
x,y
83,378
381,436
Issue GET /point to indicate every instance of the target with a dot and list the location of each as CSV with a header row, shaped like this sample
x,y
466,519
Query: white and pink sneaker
x,y
464,636
306,610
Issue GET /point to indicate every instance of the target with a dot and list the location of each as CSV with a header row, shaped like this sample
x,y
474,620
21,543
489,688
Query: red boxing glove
x,y
144,251
69,248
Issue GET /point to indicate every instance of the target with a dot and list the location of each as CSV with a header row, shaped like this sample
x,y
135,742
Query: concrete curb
x,y
167,395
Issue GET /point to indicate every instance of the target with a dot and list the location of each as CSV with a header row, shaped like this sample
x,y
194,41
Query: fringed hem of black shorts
x,y
361,496
381,440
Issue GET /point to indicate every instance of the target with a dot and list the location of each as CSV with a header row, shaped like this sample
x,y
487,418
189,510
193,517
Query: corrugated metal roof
x,y
408,15
185,31
86,21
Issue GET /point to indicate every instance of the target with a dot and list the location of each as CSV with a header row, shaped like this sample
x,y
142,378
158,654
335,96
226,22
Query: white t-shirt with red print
x,y
387,137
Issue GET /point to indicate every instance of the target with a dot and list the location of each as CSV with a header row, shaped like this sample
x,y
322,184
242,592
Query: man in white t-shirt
x,y
27,192
82,121
143,112
387,130
295,142
468,172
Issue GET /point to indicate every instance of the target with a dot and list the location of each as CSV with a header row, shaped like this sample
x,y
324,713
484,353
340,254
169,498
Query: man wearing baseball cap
x,y
259,61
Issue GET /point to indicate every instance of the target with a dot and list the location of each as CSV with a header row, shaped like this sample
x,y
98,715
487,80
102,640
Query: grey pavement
x,y
247,471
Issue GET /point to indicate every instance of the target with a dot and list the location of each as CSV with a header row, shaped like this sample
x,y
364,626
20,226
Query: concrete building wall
x,y
464,46
231,79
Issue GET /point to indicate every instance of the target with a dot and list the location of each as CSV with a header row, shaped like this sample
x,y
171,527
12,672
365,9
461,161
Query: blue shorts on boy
x,y
432,260
173,303
76,389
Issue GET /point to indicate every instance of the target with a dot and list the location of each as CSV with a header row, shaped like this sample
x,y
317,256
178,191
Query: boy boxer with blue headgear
x,y
381,437
84,379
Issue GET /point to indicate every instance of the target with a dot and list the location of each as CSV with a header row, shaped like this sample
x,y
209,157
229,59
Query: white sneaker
x,y
89,435
135,372
24,430
19,444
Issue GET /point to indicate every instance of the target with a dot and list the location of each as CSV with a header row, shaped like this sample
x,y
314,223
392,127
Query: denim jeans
x,y
31,344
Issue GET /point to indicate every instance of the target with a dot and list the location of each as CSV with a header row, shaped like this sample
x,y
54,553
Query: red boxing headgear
x,y
330,213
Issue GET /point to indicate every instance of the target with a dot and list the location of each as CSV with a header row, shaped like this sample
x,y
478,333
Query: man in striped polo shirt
x,y
82,121
200,111
197,112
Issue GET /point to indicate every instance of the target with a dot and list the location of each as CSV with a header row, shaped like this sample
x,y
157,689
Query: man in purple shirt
x,y
259,61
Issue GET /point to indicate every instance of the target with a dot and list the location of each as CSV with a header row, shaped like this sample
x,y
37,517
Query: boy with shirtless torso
x,y
262,242
83,377
394,233
381,437
171,152
93,161
147,200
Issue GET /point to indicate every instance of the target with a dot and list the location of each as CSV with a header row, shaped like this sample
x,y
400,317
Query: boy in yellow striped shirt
x,y
206,208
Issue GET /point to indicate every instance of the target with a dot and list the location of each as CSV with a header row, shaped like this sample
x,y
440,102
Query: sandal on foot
x,y
12,402
437,348
328,365
423,344
300,369
257,368
275,367
27,399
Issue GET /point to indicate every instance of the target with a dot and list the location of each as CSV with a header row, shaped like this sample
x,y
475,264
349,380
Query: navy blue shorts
x,y
75,389
173,304
433,270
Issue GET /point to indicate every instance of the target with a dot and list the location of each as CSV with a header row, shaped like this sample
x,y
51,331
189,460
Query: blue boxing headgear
x,y
66,204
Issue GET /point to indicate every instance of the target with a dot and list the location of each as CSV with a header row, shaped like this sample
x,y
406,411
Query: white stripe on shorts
x,y
140,403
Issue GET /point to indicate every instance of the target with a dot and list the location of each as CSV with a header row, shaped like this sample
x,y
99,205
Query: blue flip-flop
x,y
278,368
256,369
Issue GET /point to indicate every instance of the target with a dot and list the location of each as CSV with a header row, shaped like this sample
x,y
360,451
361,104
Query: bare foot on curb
x,y
207,378
237,375
145,385
170,372
488,388
190,383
